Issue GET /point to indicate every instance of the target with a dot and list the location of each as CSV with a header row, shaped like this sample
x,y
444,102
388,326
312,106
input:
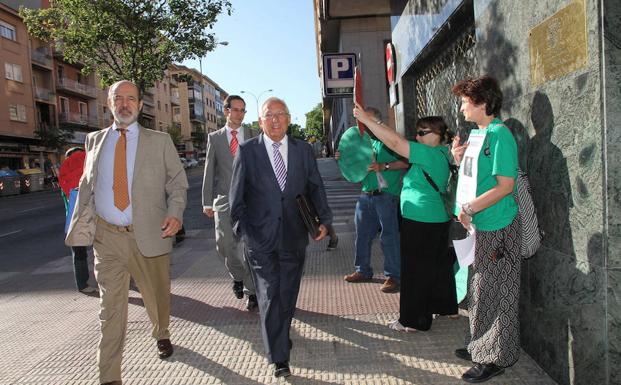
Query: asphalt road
x,y
32,226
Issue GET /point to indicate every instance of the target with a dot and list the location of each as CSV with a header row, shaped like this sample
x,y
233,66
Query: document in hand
x,y
464,248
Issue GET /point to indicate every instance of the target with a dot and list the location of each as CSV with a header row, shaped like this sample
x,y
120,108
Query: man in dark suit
x,y
221,149
269,172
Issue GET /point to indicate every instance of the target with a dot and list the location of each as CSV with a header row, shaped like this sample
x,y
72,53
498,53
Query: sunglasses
x,y
423,132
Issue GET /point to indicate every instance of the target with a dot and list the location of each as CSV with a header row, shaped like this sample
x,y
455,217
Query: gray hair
x,y
274,99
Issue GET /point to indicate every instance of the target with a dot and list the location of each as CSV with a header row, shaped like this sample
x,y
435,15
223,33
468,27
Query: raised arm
x,y
385,134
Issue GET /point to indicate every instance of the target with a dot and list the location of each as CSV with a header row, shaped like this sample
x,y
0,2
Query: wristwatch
x,y
386,166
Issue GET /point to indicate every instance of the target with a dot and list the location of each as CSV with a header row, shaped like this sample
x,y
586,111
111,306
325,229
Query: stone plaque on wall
x,y
558,45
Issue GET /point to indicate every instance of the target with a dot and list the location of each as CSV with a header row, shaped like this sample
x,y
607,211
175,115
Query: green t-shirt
x,y
393,177
501,159
419,201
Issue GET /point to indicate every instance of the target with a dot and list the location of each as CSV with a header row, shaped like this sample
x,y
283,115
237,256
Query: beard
x,y
125,120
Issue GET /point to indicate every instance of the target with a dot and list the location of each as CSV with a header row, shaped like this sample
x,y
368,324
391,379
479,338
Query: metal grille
x,y
433,84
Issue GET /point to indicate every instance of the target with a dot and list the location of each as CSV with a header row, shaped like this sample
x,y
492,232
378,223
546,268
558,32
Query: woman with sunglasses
x,y
427,280
494,286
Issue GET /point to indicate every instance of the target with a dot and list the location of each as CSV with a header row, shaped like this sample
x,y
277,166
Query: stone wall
x,y
560,132
569,140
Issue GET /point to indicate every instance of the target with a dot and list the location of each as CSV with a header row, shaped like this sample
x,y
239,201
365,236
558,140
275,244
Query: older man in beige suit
x,y
131,201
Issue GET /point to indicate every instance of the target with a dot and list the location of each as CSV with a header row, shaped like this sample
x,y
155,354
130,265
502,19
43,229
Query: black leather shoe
x,y
112,383
281,369
463,354
481,373
238,289
252,302
164,348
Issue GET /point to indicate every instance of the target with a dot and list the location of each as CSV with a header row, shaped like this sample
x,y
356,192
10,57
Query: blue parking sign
x,y
338,74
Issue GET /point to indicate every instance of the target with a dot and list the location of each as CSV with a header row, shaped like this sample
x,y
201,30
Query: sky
x,y
271,46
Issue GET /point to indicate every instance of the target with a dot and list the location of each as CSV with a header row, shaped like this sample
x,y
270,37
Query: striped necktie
x,y
119,181
279,166
233,145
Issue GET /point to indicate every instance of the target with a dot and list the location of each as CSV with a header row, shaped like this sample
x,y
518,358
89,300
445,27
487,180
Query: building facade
x,y
41,92
559,66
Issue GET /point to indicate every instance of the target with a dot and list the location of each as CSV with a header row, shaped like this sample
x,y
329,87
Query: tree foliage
x,y
127,39
314,124
295,131
54,137
175,134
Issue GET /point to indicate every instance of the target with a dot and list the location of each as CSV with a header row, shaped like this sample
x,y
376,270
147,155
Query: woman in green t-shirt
x,y
427,279
494,287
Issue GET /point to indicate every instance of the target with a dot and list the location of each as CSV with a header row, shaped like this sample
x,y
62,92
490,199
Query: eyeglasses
x,y
272,115
240,110
423,132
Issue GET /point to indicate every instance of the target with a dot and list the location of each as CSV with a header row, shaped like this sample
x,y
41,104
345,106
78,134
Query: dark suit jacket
x,y
267,218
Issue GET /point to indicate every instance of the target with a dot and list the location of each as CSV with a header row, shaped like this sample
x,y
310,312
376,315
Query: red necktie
x,y
119,182
234,143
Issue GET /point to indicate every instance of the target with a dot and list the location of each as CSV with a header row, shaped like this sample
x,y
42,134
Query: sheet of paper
x,y
467,182
464,248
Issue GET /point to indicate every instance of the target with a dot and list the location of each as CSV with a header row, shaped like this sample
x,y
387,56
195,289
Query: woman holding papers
x,y
494,287
427,280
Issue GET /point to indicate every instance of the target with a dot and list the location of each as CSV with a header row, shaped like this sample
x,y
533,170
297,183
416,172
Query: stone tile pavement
x,y
339,335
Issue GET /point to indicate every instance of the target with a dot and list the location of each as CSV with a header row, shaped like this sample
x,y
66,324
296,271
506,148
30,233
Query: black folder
x,y
309,215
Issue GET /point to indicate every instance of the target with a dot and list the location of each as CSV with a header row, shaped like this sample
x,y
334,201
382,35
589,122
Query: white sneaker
x,y
396,325
88,290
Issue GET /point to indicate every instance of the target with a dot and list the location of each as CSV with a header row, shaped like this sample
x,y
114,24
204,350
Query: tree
x,y
296,131
53,137
127,39
175,134
314,124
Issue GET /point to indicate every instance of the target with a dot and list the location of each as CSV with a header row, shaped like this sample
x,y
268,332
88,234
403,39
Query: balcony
x,y
44,95
197,117
176,118
148,110
174,99
147,99
41,57
74,87
173,82
77,119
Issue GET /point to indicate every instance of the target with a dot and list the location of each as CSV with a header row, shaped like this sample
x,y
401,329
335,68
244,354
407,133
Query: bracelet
x,y
467,208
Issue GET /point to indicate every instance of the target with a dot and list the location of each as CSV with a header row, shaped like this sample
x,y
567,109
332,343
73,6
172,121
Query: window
x,y
7,30
166,107
17,112
13,72
64,105
159,106
61,72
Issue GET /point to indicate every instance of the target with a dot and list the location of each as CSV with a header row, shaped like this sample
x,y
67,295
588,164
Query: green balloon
x,y
356,154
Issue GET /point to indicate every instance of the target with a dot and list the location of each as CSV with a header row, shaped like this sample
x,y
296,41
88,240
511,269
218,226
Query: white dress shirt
x,y
104,196
284,150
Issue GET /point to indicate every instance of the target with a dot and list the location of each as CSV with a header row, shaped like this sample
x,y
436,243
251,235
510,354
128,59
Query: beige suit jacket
x,y
159,189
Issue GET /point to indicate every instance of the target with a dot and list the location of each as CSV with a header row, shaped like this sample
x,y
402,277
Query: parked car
x,y
192,162
184,162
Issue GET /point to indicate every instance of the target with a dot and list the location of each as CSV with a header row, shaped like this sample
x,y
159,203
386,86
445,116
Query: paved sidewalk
x,y
339,335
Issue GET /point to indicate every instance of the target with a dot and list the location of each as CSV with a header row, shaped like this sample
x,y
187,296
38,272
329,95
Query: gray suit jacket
x,y
159,189
219,169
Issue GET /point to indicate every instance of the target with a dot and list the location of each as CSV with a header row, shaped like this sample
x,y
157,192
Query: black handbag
x,y
309,215
456,230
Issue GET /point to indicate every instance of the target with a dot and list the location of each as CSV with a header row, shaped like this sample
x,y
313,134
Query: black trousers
x,y
277,276
427,277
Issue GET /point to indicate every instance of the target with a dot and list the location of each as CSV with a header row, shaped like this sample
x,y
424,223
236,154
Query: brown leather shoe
x,y
164,348
356,277
113,383
390,285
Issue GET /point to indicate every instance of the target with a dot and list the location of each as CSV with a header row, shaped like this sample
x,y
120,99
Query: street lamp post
x,y
256,99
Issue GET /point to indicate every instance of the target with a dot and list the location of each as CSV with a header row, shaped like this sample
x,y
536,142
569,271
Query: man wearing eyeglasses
x,y
222,146
269,172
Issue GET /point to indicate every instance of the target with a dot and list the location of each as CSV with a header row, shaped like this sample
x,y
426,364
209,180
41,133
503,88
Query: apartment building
x,y
41,91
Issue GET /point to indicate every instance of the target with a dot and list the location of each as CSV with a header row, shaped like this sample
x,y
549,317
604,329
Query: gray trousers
x,y
231,251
